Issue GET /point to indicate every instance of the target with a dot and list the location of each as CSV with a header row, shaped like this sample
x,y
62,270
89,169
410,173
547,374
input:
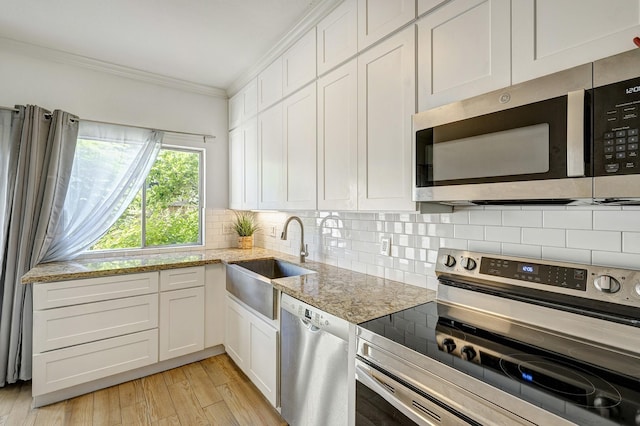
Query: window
x,y
167,211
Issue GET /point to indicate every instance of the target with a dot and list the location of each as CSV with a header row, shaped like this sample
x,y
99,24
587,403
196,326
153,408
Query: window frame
x,y
201,216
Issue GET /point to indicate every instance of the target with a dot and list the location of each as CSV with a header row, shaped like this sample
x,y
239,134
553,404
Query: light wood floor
x,y
210,392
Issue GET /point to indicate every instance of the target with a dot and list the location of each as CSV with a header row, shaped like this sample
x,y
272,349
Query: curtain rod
x,y
203,136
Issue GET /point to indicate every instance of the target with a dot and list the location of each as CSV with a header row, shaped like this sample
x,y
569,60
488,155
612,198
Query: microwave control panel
x,y
616,123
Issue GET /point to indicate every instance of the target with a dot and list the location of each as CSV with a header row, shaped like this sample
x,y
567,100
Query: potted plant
x,y
245,225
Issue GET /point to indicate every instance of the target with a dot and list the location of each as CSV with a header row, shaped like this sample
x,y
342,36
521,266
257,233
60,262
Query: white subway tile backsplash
x,y
567,219
503,234
522,250
562,254
469,232
602,240
621,260
608,235
485,217
485,246
631,242
624,220
529,218
544,237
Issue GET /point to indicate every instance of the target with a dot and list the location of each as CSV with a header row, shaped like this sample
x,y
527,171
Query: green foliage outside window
x,y
171,206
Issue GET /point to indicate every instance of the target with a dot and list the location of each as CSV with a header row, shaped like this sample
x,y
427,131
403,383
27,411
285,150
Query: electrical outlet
x,y
274,232
228,228
385,246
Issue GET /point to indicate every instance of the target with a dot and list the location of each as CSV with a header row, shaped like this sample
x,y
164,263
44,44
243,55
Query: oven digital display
x,y
528,268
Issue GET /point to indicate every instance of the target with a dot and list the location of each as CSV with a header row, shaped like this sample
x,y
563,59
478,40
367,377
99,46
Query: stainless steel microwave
x,y
568,137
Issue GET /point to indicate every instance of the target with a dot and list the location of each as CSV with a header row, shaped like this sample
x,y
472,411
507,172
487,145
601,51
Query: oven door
x,y
526,142
383,400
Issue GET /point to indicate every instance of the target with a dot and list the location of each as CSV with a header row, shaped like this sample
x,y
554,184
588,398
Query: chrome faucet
x,y
304,249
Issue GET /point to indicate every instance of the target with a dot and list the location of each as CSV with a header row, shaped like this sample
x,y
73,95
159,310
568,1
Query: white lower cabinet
x,y
253,345
90,329
181,322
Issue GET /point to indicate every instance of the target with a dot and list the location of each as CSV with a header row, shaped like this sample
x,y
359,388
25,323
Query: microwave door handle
x,y
575,133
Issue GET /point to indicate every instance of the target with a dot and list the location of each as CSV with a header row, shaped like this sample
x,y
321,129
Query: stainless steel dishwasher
x,y
313,365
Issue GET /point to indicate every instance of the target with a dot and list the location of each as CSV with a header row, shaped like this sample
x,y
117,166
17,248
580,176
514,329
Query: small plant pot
x,y
245,242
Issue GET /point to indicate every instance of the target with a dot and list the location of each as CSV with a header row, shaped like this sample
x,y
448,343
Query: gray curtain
x,y
41,147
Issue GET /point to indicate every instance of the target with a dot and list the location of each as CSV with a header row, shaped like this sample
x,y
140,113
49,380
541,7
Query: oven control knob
x,y
468,353
448,260
449,345
607,284
468,263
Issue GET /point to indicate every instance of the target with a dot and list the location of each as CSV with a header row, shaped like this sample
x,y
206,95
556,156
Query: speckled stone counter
x,y
350,295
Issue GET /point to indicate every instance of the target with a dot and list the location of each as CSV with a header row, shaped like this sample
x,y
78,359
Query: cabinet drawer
x,y
174,279
65,293
72,366
74,325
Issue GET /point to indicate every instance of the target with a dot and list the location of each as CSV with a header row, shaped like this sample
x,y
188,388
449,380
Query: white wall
x,y
599,235
101,96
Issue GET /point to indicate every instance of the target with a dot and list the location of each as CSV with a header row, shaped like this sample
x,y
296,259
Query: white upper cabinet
x,y
270,158
338,138
386,102
425,6
378,18
270,84
337,36
243,166
552,35
299,63
243,105
463,50
299,125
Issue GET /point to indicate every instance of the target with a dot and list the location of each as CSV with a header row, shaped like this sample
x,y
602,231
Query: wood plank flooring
x,y
210,392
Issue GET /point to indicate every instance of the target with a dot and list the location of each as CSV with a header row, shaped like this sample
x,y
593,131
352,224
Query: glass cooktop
x,y
583,383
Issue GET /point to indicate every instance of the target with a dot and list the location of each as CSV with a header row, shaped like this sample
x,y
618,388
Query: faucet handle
x,y
305,252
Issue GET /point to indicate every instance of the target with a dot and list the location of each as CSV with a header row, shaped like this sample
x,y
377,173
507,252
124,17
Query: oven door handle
x,y
379,386
575,133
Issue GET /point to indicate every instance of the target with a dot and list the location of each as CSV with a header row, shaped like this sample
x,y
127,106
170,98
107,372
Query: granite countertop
x,y
350,295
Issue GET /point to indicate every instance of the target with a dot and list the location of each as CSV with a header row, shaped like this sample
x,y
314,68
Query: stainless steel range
x,y
508,341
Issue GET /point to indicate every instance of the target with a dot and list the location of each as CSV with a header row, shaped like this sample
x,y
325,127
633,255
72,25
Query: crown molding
x,y
59,56
309,21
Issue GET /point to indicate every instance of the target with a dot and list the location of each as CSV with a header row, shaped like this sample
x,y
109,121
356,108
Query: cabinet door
x,y
214,295
463,51
75,365
250,99
338,139
181,322
243,166
270,158
299,63
270,84
236,169
338,36
236,336
386,102
299,114
74,325
552,35
262,361
378,18
235,110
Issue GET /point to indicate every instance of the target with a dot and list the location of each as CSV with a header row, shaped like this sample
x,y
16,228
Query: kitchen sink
x,y
273,268
250,281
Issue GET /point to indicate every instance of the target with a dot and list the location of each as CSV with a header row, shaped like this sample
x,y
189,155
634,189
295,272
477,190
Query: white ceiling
x,y
208,42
